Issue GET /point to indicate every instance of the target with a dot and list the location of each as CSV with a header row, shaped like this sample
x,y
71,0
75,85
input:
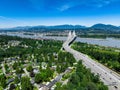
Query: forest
x,y
108,56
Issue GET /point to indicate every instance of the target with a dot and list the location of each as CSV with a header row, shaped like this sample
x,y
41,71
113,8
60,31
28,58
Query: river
x,y
108,42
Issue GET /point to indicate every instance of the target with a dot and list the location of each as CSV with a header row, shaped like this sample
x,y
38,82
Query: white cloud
x,y
8,19
10,22
2,17
91,3
102,3
64,7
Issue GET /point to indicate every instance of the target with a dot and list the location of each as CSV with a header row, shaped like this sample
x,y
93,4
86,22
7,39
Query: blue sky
x,y
56,12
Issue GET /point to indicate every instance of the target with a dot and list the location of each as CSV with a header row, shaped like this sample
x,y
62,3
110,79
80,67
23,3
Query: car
x,y
116,87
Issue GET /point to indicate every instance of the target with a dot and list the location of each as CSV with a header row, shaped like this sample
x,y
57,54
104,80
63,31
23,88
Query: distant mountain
x,y
67,27
57,27
105,27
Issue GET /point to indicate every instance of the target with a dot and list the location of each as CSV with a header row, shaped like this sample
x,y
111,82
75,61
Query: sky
x,y
56,12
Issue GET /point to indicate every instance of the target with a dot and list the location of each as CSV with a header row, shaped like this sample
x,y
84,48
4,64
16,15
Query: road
x,y
108,76
54,81
58,78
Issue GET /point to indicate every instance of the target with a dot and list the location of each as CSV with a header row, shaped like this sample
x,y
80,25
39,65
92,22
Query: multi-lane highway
x,y
109,77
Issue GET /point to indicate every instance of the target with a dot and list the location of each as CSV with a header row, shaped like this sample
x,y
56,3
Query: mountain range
x,y
68,27
105,27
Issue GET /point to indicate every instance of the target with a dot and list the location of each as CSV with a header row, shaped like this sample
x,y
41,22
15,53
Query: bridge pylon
x,y
74,34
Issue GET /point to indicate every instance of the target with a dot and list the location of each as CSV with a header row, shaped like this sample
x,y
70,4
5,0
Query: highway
x,y
109,77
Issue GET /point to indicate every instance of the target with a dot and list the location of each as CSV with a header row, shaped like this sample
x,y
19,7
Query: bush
x,y
26,84
29,68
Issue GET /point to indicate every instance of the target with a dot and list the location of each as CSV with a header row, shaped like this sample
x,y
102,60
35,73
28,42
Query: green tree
x,y
38,78
15,65
19,71
26,84
2,80
12,86
91,86
16,80
119,57
29,68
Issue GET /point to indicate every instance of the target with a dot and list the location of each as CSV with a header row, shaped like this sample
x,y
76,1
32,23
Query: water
x,y
109,42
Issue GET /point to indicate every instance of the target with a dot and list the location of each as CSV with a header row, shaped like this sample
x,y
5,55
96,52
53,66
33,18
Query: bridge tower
x,y
74,34
69,34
